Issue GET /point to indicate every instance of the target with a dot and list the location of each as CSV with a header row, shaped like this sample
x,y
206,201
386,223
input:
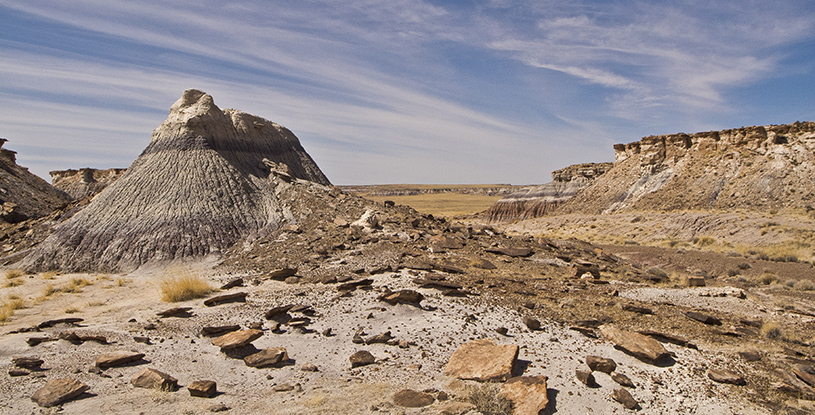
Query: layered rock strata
x,y
536,201
84,182
207,179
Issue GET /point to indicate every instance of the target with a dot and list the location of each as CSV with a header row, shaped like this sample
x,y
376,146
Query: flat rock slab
x,y
154,379
622,380
72,321
57,391
117,358
267,357
176,312
512,252
527,393
642,347
725,376
282,274
203,388
210,331
483,360
362,358
237,339
226,298
402,297
32,363
703,318
409,398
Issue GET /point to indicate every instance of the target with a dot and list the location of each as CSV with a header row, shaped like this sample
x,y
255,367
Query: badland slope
x,y
206,180
84,182
23,195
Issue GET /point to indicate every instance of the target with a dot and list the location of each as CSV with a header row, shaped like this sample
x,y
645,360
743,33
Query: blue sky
x,y
402,91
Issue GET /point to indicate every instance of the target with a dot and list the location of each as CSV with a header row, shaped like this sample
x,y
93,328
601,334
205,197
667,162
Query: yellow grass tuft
x,y
182,285
13,273
76,285
8,306
49,275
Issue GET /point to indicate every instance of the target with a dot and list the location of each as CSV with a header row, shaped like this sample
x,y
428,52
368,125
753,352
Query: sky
x,y
402,91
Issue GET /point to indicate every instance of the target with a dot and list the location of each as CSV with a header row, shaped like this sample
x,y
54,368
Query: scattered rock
x,y
531,323
154,379
117,358
638,345
511,252
696,281
218,407
267,357
362,358
409,398
274,312
402,297
15,372
236,282
236,339
285,387
725,376
203,388
668,338
637,309
483,360
31,363
57,391
622,380
210,331
704,318
805,375
176,312
71,321
482,264
585,377
33,341
624,397
282,273
750,355
309,367
601,364
527,393
239,297
379,338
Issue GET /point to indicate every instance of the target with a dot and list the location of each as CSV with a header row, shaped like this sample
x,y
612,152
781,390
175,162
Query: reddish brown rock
x,y
267,357
236,339
585,377
638,345
622,380
203,388
402,297
527,393
154,379
483,360
362,358
725,376
57,391
624,397
226,298
117,358
601,364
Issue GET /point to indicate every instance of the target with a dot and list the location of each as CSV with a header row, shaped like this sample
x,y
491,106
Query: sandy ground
x,y
120,306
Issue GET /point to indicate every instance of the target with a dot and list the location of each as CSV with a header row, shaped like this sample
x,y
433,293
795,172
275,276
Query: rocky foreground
x,y
356,307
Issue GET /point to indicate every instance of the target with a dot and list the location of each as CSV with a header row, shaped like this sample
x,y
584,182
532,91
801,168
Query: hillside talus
x,y
23,195
206,180
760,167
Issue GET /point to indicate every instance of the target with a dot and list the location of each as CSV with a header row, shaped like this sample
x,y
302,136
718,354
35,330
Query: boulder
x,y
57,391
203,388
402,297
601,364
585,377
282,273
483,360
267,357
409,398
154,379
362,358
640,346
531,323
31,363
236,339
117,358
527,393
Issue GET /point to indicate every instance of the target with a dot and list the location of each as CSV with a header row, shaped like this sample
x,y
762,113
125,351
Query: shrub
x,y
804,285
767,278
705,241
771,330
8,306
76,285
13,273
181,285
488,401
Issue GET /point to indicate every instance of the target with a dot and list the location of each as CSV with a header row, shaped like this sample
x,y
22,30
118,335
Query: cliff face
x,y
536,201
84,182
760,167
23,195
208,178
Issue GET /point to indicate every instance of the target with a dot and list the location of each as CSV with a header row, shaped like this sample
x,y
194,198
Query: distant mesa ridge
x,y
756,167
207,179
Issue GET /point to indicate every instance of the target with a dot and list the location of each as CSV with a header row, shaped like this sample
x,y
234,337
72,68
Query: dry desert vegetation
x,y
223,272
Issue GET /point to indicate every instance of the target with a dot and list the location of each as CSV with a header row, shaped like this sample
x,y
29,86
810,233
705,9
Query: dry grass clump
x,y
182,285
13,278
9,306
49,275
804,285
76,285
705,241
771,330
766,278
489,401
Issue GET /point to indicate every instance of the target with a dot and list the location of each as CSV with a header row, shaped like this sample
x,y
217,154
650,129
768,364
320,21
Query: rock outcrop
x,y
208,179
536,201
23,195
84,182
759,167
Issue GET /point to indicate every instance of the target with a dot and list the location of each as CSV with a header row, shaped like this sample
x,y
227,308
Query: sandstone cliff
x,y
84,182
23,195
759,167
207,179
536,201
